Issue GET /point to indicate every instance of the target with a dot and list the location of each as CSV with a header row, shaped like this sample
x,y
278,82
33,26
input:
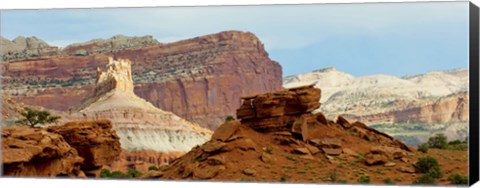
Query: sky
x,y
360,39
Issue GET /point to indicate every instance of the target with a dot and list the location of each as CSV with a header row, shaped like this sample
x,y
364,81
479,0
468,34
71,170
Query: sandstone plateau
x,y
66,150
199,79
280,138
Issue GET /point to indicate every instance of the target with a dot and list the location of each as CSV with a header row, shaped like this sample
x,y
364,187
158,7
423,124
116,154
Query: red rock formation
x,y
252,146
59,150
200,79
36,152
95,141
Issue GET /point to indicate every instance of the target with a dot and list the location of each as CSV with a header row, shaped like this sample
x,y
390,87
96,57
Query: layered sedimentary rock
x,y
65,150
249,148
433,97
199,79
139,124
24,47
118,42
446,109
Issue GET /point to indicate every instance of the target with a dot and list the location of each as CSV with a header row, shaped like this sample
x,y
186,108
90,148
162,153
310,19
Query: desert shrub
x,y
427,163
269,150
33,117
229,118
435,173
364,179
105,173
458,179
429,166
425,179
387,181
152,168
438,141
132,173
423,148
454,142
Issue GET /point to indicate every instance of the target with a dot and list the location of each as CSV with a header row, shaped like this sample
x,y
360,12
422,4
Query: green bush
x,y
388,181
458,179
423,148
131,173
33,117
425,164
429,166
229,118
364,179
438,141
425,179
269,150
152,168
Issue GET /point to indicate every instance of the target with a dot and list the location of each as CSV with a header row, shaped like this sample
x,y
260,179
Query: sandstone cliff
x,y
199,79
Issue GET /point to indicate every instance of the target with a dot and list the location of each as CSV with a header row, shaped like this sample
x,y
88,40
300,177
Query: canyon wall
x,y
199,79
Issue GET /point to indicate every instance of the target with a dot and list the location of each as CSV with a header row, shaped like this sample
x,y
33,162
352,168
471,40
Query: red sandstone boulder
x,y
95,141
36,152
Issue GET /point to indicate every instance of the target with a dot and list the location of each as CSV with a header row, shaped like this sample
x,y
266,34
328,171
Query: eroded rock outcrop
x,y
95,141
199,79
278,129
36,152
65,150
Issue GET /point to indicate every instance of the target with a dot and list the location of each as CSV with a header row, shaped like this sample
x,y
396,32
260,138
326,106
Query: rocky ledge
x,y
68,150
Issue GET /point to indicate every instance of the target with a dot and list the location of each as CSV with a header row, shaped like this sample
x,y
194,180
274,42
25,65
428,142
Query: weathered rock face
x,y
256,145
65,150
433,97
36,152
278,109
199,79
24,47
95,141
446,109
139,124
118,42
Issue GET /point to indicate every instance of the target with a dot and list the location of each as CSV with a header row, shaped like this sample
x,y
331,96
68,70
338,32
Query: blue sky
x,y
360,39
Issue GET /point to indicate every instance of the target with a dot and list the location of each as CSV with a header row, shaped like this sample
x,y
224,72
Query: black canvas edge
x,y
473,139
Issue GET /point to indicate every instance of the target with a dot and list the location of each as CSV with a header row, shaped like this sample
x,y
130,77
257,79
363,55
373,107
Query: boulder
x,y
208,172
213,146
36,152
302,151
226,130
95,141
343,122
332,151
291,101
375,158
